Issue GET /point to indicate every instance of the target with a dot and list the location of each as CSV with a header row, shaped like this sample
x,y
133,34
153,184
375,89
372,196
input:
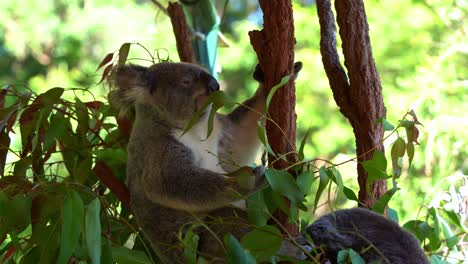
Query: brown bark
x,y
274,46
182,33
360,98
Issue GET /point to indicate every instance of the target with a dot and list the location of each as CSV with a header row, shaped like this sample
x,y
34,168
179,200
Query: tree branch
x,y
182,33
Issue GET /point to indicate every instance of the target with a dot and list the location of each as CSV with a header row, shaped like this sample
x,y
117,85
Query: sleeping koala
x,y
376,238
177,179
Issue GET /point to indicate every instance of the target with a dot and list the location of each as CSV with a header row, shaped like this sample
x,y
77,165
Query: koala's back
x,y
358,228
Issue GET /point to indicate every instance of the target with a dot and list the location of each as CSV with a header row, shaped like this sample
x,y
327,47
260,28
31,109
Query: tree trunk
x,y
274,46
182,33
360,98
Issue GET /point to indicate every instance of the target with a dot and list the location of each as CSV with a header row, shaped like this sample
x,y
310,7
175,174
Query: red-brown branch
x,y
107,177
360,99
274,46
182,33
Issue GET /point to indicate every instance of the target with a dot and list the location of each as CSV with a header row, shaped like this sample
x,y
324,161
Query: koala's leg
x,y
161,226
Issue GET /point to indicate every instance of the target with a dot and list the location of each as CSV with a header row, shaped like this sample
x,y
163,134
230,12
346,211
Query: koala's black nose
x,y
213,85
210,81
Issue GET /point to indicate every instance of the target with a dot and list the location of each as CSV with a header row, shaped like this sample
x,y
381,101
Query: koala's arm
x,y
240,126
182,185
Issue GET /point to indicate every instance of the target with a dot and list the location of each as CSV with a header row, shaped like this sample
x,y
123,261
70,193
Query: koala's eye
x,y
186,82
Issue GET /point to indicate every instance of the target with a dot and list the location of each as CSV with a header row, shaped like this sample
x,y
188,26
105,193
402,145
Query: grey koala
x,y
177,179
376,238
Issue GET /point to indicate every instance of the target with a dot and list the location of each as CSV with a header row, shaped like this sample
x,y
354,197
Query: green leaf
x,y
263,242
50,97
284,183
123,53
436,259
387,126
335,176
303,142
420,229
263,138
72,222
216,100
106,257
324,180
257,209
128,256
93,231
83,117
190,242
382,202
376,168
243,176
273,90
397,151
410,152
235,253
350,195
58,126
304,181
14,213
349,256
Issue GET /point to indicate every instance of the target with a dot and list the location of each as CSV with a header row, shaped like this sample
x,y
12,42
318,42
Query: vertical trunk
x,y
360,98
274,46
182,33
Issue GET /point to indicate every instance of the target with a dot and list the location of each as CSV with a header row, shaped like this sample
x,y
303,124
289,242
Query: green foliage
x,y
52,139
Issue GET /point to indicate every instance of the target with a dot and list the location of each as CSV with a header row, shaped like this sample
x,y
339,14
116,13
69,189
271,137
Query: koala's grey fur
x,y
357,228
174,179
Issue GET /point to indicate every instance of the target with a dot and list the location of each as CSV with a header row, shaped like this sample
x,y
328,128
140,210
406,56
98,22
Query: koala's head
x,y
329,232
174,91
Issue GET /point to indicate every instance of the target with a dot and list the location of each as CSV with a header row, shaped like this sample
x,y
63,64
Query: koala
x,y
376,238
175,178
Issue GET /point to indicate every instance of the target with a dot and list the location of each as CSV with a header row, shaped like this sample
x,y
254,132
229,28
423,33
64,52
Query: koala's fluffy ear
x,y
126,77
260,77
131,82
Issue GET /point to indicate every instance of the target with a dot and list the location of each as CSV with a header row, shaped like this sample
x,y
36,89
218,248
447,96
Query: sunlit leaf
x,y
235,253
376,168
190,242
303,142
387,126
93,231
72,222
324,180
262,242
382,202
273,90
397,151
263,138
123,53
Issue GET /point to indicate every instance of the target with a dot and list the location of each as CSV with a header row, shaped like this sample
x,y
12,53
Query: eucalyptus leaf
x,y
72,222
93,231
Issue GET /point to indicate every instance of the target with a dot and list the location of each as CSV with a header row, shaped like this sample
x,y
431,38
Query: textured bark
x,y
360,98
274,46
182,33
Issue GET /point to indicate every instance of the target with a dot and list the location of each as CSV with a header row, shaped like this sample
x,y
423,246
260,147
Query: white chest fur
x,y
204,150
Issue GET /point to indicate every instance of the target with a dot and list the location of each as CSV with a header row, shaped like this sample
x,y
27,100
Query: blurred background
x,y
420,47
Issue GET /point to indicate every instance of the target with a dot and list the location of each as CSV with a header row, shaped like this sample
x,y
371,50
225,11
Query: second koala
x,y
177,179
